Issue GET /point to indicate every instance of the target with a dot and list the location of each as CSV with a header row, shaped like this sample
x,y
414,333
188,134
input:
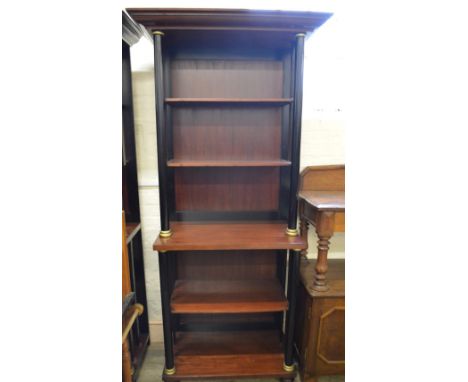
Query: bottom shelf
x,y
240,354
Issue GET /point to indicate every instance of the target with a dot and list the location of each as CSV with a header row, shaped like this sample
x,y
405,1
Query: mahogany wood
x,y
220,134
227,85
227,189
241,80
323,178
228,354
322,204
215,44
246,101
228,235
325,200
227,163
320,323
215,296
176,18
220,265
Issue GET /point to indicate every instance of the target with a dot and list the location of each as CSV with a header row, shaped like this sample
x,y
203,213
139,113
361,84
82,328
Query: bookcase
x,y
228,86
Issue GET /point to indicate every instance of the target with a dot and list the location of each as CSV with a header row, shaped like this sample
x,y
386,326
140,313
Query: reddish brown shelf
x,y
188,236
228,354
229,101
131,230
324,200
221,296
227,163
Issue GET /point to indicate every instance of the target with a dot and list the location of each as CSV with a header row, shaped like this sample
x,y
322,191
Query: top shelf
x,y
229,101
191,236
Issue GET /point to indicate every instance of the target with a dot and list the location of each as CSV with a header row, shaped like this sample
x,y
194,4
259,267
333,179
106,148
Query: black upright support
x,y
293,284
161,134
296,134
166,313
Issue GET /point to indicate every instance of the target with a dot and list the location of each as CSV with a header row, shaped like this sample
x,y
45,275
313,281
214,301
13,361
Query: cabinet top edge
x,y
269,20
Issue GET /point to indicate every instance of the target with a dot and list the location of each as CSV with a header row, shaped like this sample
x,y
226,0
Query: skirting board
x,y
156,331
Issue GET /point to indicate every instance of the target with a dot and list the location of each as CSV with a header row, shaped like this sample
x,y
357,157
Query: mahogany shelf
x,y
224,296
224,235
240,354
227,163
229,101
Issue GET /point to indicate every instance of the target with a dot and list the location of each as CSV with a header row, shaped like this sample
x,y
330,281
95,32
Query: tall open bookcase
x,y
228,87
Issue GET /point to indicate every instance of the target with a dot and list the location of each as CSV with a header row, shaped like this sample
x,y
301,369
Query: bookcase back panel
x,y
227,45
205,78
226,265
227,189
227,133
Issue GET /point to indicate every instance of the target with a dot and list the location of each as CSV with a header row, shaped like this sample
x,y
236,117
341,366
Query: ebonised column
x,y
161,134
296,134
293,283
166,313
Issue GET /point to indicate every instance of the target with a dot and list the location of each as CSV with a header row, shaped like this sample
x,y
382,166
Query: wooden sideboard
x,y
320,315
322,204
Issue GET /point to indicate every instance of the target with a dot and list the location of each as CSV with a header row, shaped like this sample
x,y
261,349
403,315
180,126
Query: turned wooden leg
x,y
321,266
324,229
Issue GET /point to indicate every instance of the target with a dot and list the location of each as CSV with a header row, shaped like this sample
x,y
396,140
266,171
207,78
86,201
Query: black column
x,y
161,134
293,283
166,313
296,134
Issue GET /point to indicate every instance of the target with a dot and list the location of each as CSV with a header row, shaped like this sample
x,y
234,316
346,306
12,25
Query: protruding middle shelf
x,y
225,296
213,235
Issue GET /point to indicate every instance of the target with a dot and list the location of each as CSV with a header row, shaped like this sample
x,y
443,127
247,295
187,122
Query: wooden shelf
x,y
188,236
227,163
132,229
227,355
229,101
221,296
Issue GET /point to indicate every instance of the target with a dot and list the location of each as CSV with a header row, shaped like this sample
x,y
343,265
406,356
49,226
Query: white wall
x,y
322,138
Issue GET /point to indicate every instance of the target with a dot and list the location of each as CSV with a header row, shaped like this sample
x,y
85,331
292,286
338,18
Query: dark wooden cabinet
x,y
228,87
139,334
